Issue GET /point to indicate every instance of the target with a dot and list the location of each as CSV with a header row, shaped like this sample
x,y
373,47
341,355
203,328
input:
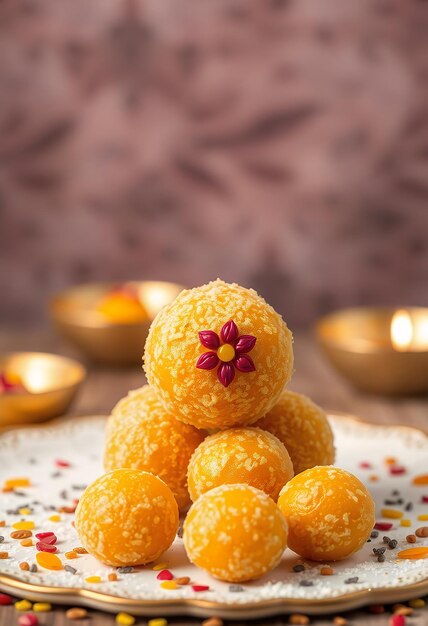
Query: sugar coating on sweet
x,y
240,455
142,435
303,428
235,532
196,396
329,511
127,517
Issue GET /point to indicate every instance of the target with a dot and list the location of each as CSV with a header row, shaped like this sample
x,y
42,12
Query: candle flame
x,y
401,330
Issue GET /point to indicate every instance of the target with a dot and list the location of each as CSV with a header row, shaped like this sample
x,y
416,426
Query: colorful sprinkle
x,y
54,518
48,561
413,553
46,547
422,479
391,513
423,518
4,555
42,607
158,621
23,605
24,511
112,577
124,619
24,525
383,526
29,619
397,470
397,620
405,522
24,566
159,566
168,584
93,579
365,465
76,613
11,483
71,555
200,587
165,574
48,537
26,543
62,463
5,600
417,603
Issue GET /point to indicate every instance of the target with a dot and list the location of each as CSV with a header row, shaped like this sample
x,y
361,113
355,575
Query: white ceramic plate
x,y
33,452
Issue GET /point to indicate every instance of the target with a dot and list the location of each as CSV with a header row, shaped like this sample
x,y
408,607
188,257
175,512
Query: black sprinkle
x,y
1,538
51,507
236,588
306,583
33,568
400,501
63,494
180,531
388,502
32,461
379,550
79,487
56,475
298,568
409,506
70,569
381,558
125,570
369,540
374,534
350,581
392,544
386,539
21,494
395,492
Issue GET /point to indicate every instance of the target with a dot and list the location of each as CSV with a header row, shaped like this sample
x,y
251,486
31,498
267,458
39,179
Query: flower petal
x,y
209,339
244,363
229,332
245,343
207,361
226,373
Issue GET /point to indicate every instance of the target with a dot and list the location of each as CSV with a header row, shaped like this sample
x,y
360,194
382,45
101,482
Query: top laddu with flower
x,y
218,356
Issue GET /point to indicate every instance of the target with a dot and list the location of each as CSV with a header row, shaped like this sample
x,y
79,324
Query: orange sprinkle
x,y
159,566
112,576
48,560
391,513
4,555
80,550
26,543
373,478
405,522
54,518
71,555
423,517
326,571
24,566
413,553
422,479
390,460
2,523
168,584
11,483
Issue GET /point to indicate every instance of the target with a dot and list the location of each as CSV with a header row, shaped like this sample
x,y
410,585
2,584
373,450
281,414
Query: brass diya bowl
x,y
77,317
380,350
49,384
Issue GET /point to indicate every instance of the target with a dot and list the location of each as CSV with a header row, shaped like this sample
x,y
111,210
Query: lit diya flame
x,y
401,330
122,305
228,352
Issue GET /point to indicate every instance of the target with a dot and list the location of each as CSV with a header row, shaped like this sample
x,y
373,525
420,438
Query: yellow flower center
x,y
226,352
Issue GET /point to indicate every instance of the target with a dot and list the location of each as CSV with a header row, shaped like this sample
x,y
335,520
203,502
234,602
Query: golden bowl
x,y
50,383
76,315
380,350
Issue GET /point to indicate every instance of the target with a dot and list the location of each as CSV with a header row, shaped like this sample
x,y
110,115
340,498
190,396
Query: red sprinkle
x,y
383,526
424,498
45,547
48,537
165,574
62,463
397,470
5,600
365,465
397,620
28,619
200,587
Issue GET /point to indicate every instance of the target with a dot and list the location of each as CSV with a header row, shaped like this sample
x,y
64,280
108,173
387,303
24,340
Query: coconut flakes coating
x,y
196,396
303,428
330,513
235,532
142,435
240,455
127,517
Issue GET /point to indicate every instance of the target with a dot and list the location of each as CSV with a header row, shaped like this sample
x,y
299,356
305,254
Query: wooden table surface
x,y
313,376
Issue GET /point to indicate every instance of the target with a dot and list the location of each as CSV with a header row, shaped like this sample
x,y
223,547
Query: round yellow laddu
x,y
329,511
127,517
242,372
142,435
303,428
235,532
240,455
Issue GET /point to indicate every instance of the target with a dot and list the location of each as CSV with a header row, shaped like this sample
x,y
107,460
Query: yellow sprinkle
x,y
11,483
23,605
423,517
24,511
71,555
159,566
25,525
54,518
159,621
124,619
391,513
42,607
93,579
169,584
405,522
26,543
417,603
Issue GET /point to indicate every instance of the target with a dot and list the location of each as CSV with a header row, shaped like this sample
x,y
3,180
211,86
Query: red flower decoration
x,y
228,352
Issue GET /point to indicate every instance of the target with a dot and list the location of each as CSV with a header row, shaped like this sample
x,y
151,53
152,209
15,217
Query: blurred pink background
x,y
279,144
